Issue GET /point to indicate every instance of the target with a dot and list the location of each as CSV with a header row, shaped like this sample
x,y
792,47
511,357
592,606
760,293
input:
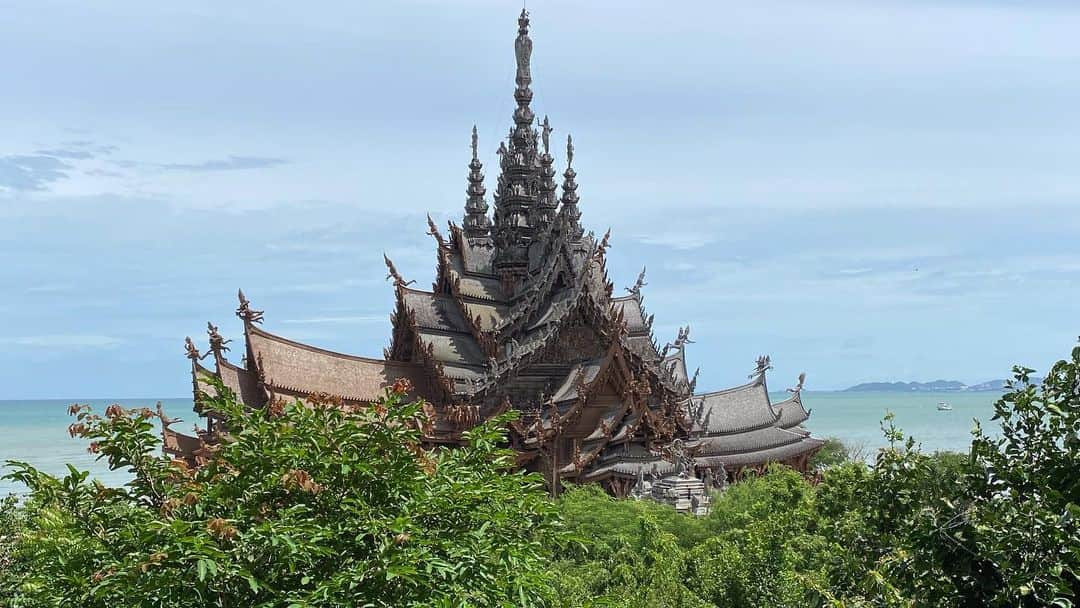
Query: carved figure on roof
x,y
798,387
394,274
601,249
433,230
636,289
545,134
523,50
569,150
501,152
165,420
245,312
192,351
762,365
217,343
681,340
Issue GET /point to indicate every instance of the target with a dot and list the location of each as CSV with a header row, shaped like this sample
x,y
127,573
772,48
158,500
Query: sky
x,y
864,190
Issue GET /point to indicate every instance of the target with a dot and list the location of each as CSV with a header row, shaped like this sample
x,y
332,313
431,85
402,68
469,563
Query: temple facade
x,y
522,315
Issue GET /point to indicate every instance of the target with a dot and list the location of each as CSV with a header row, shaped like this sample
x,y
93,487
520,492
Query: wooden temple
x,y
522,315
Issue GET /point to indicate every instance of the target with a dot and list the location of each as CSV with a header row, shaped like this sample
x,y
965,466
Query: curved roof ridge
x,y
223,362
732,389
792,412
199,367
427,293
324,351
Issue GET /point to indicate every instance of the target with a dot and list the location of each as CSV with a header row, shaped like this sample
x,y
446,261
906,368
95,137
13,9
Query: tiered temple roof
x,y
522,315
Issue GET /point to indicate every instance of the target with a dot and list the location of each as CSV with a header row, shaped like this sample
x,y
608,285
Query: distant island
x,y
937,386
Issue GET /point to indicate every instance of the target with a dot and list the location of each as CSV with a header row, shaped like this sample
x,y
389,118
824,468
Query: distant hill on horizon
x,y
937,386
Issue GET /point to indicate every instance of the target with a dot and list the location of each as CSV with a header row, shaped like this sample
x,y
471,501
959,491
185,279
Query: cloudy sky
x,y
865,190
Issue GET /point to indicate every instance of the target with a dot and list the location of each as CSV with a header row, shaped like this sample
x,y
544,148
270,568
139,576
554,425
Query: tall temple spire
x,y
476,222
569,192
523,53
519,181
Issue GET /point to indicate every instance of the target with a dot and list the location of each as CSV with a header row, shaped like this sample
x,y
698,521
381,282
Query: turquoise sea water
x,y
36,431
856,417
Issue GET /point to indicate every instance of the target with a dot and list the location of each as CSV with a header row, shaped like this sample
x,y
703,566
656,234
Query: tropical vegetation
x,y
315,506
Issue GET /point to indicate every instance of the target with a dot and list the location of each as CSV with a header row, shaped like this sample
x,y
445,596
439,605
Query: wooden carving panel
x,y
576,343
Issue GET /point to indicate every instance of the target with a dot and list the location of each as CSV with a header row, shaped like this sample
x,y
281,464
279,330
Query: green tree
x,y
994,527
299,506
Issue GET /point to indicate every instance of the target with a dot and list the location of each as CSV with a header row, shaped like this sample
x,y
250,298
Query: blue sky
x,y
864,190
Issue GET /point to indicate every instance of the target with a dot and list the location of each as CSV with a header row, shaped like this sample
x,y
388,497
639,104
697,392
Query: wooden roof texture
x,y
300,368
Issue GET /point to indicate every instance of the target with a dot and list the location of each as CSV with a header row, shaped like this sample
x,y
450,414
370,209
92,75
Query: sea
x,y
36,431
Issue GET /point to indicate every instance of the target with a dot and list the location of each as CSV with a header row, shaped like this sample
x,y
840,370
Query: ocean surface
x,y
36,431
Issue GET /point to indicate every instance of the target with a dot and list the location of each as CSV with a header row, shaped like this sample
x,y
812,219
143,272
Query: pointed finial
x,y
601,249
217,342
636,289
523,20
394,274
523,52
569,150
245,312
762,365
798,387
192,352
474,142
433,231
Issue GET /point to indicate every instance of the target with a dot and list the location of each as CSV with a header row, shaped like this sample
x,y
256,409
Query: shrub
x,y
300,506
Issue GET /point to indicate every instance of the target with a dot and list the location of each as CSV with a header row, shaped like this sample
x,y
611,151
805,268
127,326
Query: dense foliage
x,y
301,507
314,507
994,527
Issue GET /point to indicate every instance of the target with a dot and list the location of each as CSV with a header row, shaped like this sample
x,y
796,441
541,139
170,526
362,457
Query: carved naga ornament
x,y
762,365
218,344
394,274
636,289
245,312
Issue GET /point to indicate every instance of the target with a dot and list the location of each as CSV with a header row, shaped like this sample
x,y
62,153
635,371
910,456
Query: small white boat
x,y
944,407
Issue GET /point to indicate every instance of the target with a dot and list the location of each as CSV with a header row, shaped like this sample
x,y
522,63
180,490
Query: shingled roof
x,y
735,410
300,368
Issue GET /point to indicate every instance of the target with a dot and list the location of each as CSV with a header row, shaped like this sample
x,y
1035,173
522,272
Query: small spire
x,y
547,203
523,47
517,192
569,193
523,50
476,222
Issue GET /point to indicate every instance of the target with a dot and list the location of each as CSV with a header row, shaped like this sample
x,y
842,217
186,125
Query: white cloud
x,y
682,240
